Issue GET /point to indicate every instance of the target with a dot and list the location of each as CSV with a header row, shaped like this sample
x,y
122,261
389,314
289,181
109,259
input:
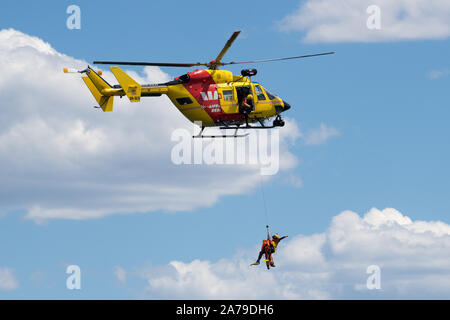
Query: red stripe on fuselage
x,y
203,88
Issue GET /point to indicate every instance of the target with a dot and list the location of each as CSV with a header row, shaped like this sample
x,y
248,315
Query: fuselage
x,y
213,97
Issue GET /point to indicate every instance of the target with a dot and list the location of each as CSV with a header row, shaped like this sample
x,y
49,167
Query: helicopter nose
x,y
287,106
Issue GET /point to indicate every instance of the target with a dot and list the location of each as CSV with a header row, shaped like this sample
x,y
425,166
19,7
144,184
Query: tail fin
x,y
131,88
96,85
104,93
105,102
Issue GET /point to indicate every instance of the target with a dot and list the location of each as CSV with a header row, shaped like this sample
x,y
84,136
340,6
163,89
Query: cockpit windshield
x,y
270,95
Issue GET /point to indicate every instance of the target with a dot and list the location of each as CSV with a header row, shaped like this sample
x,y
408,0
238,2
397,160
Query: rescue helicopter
x,y
212,97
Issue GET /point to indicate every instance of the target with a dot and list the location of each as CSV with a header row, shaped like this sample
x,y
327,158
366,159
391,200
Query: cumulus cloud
x,y
319,135
61,158
346,21
7,280
413,256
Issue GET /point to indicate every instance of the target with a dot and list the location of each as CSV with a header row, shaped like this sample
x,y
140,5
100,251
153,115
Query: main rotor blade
x,y
278,59
157,64
227,46
212,64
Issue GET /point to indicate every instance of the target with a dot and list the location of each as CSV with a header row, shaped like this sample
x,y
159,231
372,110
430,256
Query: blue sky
x,y
391,150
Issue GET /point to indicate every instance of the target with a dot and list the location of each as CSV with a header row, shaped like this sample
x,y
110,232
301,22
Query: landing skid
x,y
251,127
278,122
235,135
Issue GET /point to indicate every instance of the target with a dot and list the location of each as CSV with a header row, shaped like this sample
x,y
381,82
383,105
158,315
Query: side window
x,y
259,92
228,95
183,101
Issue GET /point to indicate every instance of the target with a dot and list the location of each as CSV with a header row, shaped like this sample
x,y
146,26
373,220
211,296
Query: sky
x,y
363,177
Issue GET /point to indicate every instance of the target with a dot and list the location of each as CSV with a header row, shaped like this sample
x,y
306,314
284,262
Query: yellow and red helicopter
x,y
212,97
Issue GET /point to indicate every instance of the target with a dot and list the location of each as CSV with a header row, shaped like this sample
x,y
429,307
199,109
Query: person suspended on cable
x,y
271,245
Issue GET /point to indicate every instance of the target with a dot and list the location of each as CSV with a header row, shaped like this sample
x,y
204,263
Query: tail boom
x,y
104,93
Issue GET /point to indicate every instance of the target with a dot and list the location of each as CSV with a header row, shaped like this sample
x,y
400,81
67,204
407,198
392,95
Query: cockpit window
x,y
270,95
259,92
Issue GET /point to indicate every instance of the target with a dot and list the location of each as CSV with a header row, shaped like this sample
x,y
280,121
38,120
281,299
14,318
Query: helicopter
x,y
212,97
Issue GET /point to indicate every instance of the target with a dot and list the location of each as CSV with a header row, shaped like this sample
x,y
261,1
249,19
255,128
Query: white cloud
x,y
7,280
414,257
319,135
221,280
345,21
61,158
294,181
439,73
121,275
